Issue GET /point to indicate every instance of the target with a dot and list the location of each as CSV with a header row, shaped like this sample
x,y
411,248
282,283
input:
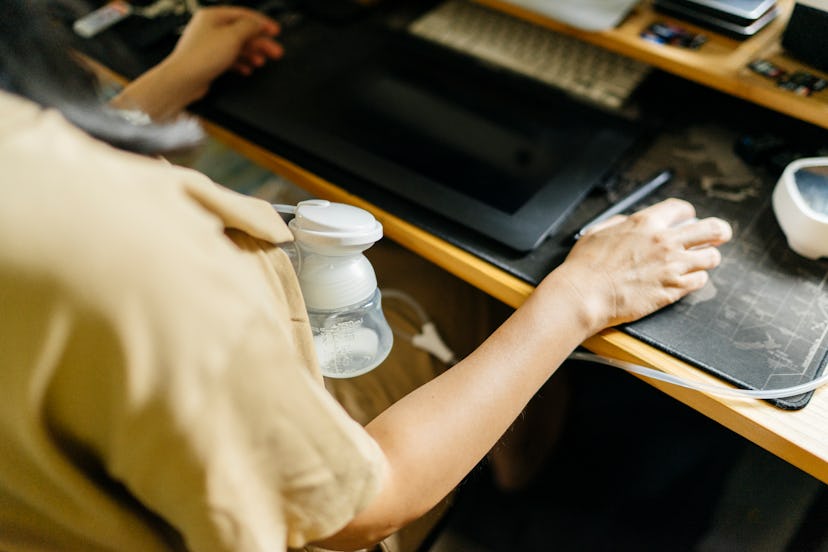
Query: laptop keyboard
x,y
579,68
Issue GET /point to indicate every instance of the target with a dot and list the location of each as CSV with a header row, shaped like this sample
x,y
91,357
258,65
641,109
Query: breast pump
x,y
350,333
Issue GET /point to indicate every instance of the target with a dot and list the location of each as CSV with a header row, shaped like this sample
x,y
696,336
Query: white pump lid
x,y
334,228
331,237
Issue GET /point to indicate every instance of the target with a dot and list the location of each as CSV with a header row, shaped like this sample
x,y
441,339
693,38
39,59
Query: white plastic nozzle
x,y
429,340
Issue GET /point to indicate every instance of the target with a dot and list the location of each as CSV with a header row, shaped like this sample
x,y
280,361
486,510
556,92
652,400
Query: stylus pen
x,y
628,201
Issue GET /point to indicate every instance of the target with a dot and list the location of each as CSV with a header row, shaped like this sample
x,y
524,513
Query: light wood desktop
x,y
796,436
799,437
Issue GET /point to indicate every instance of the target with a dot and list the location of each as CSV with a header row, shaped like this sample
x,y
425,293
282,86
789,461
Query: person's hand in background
x,y
216,39
224,37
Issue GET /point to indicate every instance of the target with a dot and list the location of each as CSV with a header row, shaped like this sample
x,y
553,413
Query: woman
x,y
159,385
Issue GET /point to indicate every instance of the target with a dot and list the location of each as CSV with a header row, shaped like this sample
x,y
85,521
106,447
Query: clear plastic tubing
x,y
707,388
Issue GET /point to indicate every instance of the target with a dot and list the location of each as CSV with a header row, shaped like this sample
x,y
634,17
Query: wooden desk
x,y
798,437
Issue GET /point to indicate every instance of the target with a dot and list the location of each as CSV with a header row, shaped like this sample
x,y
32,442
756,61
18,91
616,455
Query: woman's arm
x,y
216,39
623,270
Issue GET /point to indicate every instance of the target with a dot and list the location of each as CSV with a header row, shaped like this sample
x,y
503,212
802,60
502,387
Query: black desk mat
x,y
762,320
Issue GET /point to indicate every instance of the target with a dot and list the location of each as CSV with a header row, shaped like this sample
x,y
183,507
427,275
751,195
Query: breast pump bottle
x,y
339,285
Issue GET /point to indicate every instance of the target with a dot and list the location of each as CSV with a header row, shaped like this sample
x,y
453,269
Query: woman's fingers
x,y
263,47
665,214
709,231
256,52
693,281
705,258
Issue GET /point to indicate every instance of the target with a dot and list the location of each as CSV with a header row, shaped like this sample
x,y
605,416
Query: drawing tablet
x,y
503,155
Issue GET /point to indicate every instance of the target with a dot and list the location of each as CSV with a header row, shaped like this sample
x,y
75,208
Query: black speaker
x,y
806,35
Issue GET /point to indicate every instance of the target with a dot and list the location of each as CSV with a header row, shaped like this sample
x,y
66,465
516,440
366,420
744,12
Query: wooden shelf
x,y
721,63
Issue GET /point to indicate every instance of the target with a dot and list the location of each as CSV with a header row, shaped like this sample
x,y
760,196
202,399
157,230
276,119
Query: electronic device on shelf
x,y
577,67
805,36
739,19
738,11
588,15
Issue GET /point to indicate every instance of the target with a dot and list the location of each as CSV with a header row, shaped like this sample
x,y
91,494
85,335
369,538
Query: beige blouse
x,y
158,384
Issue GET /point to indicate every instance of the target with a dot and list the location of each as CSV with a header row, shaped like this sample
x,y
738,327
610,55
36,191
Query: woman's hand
x,y
215,40
225,37
629,267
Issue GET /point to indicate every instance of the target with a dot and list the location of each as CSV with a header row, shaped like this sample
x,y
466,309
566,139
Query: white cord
x,y
428,339
707,388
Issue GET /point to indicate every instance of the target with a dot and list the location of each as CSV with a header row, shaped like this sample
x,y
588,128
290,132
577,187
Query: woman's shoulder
x,y
101,222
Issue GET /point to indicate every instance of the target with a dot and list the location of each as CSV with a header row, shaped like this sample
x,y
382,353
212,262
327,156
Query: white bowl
x,y
804,216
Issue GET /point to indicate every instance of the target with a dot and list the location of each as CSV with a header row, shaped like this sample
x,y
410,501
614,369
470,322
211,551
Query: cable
x,y
408,300
707,388
428,339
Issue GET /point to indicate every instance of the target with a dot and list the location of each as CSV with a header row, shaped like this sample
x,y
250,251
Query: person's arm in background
x,y
433,437
216,39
